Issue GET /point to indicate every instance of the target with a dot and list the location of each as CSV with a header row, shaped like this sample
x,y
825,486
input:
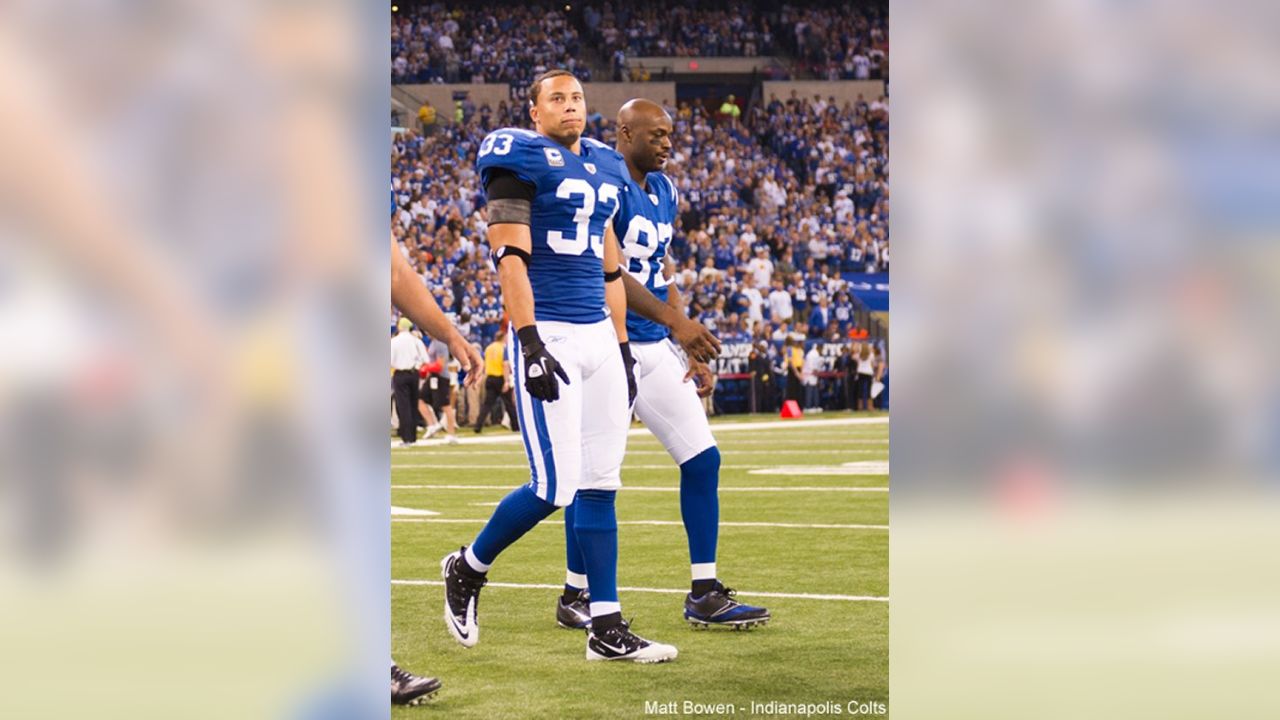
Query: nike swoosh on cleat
x,y
620,651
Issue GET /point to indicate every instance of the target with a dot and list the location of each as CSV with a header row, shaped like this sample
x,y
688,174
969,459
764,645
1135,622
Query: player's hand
x,y
540,368
698,342
701,374
629,363
468,359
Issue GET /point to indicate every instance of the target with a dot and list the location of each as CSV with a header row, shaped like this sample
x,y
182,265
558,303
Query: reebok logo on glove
x,y
541,368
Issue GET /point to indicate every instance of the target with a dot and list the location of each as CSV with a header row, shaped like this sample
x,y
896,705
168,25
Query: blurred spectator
x,y
847,368
793,363
878,377
866,372
779,302
809,375
819,318
729,109
761,267
426,117
763,389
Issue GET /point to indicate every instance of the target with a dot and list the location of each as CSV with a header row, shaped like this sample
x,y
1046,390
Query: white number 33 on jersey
x,y
577,187
498,144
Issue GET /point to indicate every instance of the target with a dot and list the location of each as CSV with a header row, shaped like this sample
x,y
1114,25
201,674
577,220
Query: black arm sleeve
x,y
503,184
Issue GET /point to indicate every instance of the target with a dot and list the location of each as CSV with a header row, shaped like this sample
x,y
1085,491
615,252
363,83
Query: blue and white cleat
x,y
718,609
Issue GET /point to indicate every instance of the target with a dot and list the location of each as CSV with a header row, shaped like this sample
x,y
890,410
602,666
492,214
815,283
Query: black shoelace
x,y
466,587
621,635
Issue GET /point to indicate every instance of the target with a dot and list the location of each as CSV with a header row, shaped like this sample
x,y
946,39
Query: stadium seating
x,y
496,43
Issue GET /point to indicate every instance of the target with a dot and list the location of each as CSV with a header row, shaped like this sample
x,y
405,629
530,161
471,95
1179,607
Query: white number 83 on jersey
x,y
642,240
582,238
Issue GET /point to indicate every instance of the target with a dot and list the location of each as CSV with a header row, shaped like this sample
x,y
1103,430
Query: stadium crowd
x,y
837,42
775,210
494,43
455,43
670,28
832,42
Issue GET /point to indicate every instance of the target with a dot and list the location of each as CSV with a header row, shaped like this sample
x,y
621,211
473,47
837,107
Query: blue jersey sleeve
x,y
513,149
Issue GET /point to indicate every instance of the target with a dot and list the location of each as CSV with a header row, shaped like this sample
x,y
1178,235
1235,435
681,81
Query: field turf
x,y
832,647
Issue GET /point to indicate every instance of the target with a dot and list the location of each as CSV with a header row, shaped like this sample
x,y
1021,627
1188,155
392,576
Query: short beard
x,y
568,138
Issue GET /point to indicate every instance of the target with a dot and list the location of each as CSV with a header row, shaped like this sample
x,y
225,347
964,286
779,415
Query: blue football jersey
x,y
575,197
644,226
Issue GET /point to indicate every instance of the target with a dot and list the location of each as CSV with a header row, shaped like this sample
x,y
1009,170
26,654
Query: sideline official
x,y
407,355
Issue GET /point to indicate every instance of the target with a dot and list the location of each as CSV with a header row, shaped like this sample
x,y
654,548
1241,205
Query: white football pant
x,y
666,404
576,442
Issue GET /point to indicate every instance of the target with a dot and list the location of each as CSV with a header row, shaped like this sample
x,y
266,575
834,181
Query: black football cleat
x,y
718,609
409,689
619,643
575,614
461,599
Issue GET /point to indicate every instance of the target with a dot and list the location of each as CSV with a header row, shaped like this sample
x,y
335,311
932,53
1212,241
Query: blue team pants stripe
x,y
544,439
517,372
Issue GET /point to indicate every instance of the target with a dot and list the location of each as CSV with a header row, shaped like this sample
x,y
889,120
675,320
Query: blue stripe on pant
x,y
541,442
544,439
518,373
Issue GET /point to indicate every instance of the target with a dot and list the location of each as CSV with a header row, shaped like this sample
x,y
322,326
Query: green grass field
x,y
777,483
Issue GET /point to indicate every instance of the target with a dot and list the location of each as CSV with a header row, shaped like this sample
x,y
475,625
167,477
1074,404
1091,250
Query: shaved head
x,y
641,112
644,136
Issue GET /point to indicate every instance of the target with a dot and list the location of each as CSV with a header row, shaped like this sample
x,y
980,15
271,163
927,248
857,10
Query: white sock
x,y
604,608
703,571
474,561
573,579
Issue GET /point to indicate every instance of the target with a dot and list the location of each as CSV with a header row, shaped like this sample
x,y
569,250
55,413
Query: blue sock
x,y
700,510
596,525
516,515
574,564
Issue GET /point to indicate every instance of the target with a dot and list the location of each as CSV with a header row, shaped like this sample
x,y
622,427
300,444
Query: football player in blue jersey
x,y
551,195
666,401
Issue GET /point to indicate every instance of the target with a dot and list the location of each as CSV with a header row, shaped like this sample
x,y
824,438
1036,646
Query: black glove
x,y
540,368
629,363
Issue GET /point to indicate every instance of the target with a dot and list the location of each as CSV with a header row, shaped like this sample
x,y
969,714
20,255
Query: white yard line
x,y
867,467
397,512
659,489
727,451
664,591
715,428
678,523
525,467
783,424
